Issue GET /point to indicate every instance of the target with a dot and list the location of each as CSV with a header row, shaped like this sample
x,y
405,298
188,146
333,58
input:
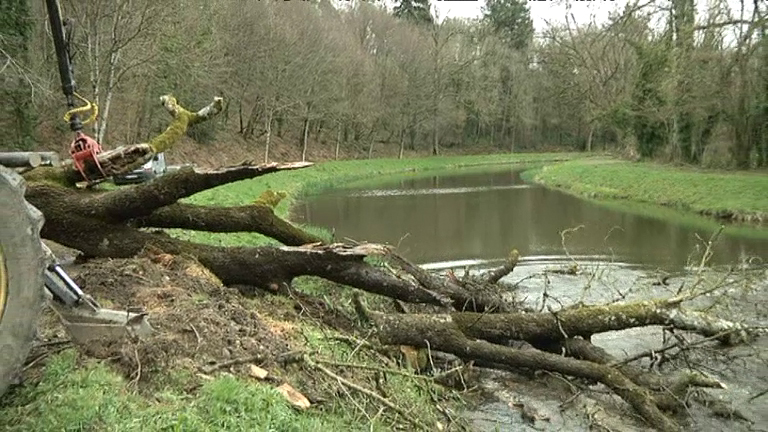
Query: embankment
x,y
733,196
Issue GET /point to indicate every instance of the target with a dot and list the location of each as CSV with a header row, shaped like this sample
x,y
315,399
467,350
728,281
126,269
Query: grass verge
x,y
734,196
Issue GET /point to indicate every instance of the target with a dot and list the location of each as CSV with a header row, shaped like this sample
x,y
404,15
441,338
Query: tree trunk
x,y
268,127
503,131
436,137
512,139
104,116
402,144
338,142
305,136
240,117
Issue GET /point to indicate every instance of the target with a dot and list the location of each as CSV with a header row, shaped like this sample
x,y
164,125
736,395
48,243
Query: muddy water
x,y
480,216
460,220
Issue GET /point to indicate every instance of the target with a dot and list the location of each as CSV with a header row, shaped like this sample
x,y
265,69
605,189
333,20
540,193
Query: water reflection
x,y
483,215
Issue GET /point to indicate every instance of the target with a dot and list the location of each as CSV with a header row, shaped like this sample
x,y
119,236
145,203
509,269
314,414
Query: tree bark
x,y
305,134
268,127
443,334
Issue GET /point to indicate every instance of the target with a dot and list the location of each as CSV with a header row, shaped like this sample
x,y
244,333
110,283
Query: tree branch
x,y
547,327
441,333
479,301
506,269
259,218
141,200
182,119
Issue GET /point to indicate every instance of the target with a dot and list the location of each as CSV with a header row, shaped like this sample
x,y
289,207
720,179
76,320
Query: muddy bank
x,y
201,323
198,321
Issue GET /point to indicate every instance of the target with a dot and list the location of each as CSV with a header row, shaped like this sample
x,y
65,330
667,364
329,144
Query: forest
x,y
680,80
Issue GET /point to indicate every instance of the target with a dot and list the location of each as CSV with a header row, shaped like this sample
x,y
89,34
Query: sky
x,y
541,11
554,11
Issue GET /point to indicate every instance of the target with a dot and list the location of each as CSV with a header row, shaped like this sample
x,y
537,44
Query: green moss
x,y
271,198
49,175
175,130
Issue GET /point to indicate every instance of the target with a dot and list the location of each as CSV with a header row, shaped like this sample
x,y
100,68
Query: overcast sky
x,y
555,10
540,10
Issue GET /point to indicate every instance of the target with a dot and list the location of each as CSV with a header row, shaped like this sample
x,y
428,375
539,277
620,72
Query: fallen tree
x,y
473,318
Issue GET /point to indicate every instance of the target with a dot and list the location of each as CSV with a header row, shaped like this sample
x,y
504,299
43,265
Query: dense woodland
x,y
677,80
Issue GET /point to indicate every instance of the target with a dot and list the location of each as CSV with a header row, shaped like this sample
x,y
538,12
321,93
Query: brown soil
x,y
197,321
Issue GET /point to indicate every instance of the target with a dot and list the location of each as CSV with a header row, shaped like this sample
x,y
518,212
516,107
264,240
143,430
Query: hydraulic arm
x,y
84,149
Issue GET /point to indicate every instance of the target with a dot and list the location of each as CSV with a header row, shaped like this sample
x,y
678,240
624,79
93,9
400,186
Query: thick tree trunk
x,y
263,267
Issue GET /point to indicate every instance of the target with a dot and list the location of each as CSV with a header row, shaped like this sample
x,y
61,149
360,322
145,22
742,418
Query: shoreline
x,y
731,198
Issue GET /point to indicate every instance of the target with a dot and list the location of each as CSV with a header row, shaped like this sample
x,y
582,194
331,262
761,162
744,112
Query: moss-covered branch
x,y
546,327
141,200
256,217
182,120
441,333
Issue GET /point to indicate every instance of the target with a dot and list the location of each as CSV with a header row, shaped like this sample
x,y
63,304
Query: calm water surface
x,y
465,218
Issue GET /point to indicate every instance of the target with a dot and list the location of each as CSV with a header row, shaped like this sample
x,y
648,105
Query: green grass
x,y
742,194
90,397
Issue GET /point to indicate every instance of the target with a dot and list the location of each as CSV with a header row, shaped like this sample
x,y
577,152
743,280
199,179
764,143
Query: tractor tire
x,y
22,265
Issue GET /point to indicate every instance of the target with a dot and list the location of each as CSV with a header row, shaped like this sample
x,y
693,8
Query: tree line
x,y
659,79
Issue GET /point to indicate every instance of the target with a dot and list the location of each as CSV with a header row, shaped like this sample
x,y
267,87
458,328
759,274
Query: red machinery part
x,y
82,149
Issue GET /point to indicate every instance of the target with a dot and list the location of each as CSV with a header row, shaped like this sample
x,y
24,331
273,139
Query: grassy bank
x,y
737,196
